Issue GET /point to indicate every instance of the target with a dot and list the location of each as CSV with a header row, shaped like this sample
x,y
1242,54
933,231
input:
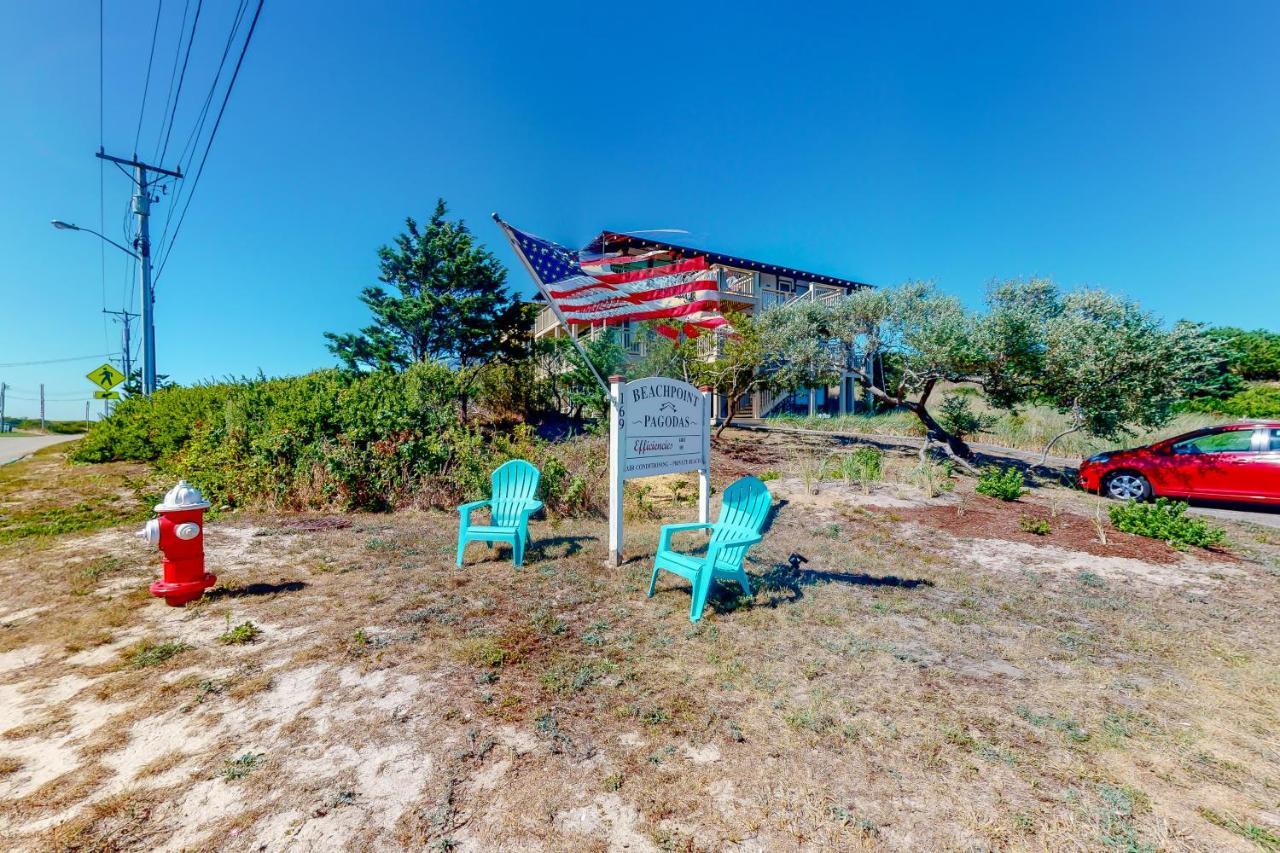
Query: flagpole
x,y
506,229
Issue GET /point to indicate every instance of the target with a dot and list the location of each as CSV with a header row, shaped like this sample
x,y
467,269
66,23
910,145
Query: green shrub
x,y
863,466
957,416
1038,526
1258,401
1005,484
335,439
1166,520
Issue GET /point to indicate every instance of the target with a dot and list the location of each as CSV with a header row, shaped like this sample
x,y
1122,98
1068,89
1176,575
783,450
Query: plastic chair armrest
x,y
664,537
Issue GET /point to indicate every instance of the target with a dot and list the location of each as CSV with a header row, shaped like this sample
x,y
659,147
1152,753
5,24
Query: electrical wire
x,y
195,22
147,83
102,178
173,76
244,48
190,147
52,361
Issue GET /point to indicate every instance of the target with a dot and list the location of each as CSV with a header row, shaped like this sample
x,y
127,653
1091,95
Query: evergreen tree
x,y
443,298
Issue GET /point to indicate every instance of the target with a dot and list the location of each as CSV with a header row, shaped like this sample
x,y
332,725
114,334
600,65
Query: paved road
x,y
13,449
1267,517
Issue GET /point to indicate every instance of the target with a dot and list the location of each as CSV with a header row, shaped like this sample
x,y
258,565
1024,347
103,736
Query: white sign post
x,y
656,426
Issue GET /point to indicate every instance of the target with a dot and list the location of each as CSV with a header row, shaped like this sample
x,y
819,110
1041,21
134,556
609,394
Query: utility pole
x,y
86,415
142,210
126,353
42,407
3,387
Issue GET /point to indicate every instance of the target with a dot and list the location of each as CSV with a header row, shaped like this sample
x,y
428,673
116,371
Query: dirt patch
x,y
981,517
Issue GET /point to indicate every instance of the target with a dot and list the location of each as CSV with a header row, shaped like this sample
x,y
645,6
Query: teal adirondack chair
x,y
513,487
742,514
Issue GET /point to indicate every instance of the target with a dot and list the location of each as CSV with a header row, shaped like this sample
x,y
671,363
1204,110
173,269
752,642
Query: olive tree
x,y
927,336
1099,359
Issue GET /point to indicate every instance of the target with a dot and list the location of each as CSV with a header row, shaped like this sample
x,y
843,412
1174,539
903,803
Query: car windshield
x,y
1229,441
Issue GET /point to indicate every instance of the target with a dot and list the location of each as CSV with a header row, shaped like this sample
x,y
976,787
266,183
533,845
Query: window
x,y
1230,441
1275,439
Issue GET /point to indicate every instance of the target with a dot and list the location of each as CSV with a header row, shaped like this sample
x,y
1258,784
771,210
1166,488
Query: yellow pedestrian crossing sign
x,y
105,377
106,395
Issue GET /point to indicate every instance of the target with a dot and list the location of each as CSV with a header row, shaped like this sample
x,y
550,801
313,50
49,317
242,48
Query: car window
x,y
1231,441
1275,439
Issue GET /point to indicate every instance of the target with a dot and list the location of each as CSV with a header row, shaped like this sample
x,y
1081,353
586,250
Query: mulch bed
x,y
987,518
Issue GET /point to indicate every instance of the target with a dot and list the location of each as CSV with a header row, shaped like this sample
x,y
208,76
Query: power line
x,y
102,175
244,48
147,84
53,360
189,149
173,75
181,78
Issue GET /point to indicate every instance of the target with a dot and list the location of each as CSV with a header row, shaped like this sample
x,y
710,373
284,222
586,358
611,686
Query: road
x,y
1267,517
13,449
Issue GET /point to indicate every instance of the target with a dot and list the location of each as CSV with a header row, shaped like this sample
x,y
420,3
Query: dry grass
x,y
902,689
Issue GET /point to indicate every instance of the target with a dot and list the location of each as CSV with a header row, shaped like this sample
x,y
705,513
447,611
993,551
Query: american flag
x,y
594,289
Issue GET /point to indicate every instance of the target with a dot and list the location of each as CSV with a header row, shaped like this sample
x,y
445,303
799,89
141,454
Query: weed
x,y
482,651
766,476
1165,520
1038,526
9,764
932,478
240,635
1090,579
148,653
1005,484
235,769
1259,835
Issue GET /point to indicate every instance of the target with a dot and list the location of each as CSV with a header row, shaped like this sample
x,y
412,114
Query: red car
x,y
1236,462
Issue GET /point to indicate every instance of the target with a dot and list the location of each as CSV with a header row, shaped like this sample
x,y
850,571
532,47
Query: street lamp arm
x,y
67,226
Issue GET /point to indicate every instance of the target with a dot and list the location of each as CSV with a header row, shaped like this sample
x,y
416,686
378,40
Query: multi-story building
x,y
745,285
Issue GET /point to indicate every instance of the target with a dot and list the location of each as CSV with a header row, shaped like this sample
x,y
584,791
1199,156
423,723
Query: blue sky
x,y
1134,146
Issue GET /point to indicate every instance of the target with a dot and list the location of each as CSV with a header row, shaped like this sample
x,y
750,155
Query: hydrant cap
x,y
182,496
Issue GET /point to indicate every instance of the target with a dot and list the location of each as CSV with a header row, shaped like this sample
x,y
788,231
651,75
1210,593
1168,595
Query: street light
x,y
67,226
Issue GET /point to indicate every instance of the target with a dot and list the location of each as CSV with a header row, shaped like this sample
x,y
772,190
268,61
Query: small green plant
x,y
235,769
1259,835
1005,484
148,653
1165,520
766,476
1038,526
863,466
240,635
958,417
932,478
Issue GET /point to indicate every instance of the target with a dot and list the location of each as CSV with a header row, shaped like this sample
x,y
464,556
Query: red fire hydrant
x,y
179,533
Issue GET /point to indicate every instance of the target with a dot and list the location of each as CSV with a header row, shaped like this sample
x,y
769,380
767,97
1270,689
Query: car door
x,y
1216,464
1266,468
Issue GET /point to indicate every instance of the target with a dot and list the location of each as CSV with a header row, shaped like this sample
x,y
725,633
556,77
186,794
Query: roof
x,y
612,241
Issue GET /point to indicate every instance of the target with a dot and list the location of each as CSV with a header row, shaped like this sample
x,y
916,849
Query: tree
x,y
1111,366
570,385
1096,357
1252,355
930,336
732,366
450,304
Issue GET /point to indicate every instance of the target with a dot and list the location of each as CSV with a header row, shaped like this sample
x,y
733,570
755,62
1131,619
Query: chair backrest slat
x,y
512,486
744,508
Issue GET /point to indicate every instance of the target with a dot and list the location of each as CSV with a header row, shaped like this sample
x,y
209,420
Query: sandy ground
x,y
894,681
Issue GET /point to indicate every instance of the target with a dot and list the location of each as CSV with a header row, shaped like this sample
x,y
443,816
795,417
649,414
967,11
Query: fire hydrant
x,y
179,534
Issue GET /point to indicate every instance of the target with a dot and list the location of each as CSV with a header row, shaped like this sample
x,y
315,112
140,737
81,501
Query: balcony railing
x,y
544,322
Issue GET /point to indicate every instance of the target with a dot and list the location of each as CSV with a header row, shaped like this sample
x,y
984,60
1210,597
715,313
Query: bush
x,y
1005,484
957,416
1165,520
1258,401
334,439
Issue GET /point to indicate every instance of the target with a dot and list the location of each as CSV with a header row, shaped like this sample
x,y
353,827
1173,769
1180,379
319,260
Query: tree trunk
x,y
1044,457
733,410
955,447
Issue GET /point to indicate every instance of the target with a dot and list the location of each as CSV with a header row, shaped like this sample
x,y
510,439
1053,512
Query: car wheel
x,y
1127,486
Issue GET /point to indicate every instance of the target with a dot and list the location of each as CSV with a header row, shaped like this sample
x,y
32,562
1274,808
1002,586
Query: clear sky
x,y
1134,146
